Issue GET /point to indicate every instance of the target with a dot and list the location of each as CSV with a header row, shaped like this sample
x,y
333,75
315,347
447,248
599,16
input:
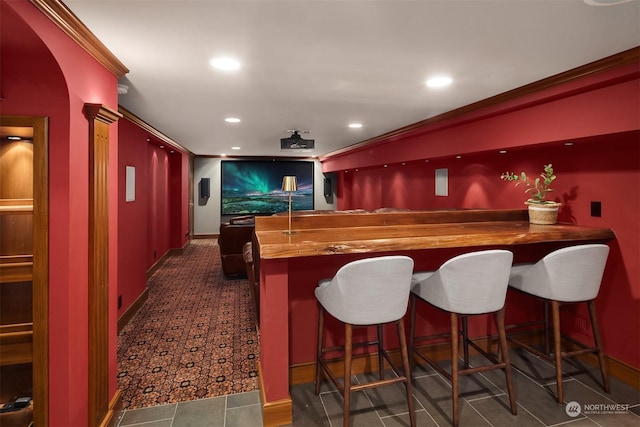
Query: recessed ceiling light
x,y
235,148
458,157
503,151
225,64
232,120
355,125
568,143
605,2
162,146
439,81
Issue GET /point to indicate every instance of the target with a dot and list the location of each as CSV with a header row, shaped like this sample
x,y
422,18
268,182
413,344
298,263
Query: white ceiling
x,y
319,65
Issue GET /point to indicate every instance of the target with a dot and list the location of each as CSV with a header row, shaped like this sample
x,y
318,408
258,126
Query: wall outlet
x,y
596,209
582,324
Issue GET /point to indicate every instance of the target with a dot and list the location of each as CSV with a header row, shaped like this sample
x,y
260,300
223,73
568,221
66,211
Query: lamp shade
x,y
289,183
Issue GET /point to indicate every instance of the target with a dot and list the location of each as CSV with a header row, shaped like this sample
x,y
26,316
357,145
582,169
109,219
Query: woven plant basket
x,y
543,214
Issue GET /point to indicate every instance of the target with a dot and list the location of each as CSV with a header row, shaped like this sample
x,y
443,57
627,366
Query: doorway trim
x,y
99,117
40,269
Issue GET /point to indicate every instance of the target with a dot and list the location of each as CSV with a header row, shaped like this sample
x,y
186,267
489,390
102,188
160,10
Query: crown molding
x,y
150,129
627,57
68,22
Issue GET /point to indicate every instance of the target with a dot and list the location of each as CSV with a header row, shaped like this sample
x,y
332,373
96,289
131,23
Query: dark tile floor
x,y
483,402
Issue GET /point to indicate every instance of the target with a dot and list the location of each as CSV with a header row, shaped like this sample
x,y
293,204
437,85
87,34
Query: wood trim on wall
x,y
41,270
115,407
156,265
615,368
206,236
99,117
278,413
133,309
306,372
68,22
190,196
150,129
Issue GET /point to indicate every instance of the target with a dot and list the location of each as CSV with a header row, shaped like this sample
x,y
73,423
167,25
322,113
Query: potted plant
x,y
541,211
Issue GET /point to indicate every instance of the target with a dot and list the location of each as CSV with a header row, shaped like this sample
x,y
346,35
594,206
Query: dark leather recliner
x,y
233,235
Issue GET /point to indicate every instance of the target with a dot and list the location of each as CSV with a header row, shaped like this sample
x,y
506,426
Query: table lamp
x,y
289,185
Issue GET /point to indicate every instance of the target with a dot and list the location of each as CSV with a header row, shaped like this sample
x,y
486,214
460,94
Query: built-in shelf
x,y
16,344
11,206
18,268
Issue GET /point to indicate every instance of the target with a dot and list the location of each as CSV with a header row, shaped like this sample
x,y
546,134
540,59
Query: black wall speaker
x,y
327,187
205,189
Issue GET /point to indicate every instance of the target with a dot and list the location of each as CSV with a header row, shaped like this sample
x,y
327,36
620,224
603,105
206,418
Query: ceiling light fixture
x,y
355,125
439,81
232,120
605,2
225,64
235,148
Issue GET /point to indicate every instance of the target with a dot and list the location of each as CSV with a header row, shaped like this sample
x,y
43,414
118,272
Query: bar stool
x,y
366,292
567,275
469,284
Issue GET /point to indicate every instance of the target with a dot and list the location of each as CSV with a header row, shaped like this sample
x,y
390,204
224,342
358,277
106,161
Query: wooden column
x,y
40,271
100,117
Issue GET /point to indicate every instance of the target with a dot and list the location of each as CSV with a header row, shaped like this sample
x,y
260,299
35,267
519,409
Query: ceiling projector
x,y
295,142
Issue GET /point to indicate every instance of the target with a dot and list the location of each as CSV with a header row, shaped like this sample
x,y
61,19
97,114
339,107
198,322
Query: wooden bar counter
x,y
324,242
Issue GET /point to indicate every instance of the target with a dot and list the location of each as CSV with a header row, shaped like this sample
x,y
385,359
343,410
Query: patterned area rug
x,y
195,336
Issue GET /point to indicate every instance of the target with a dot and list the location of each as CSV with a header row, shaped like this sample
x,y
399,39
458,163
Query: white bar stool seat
x,y
567,275
366,292
469,284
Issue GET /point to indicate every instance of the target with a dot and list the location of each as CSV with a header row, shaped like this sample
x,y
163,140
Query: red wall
x,y
157,220
600,114
179,185
132,229
46,73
